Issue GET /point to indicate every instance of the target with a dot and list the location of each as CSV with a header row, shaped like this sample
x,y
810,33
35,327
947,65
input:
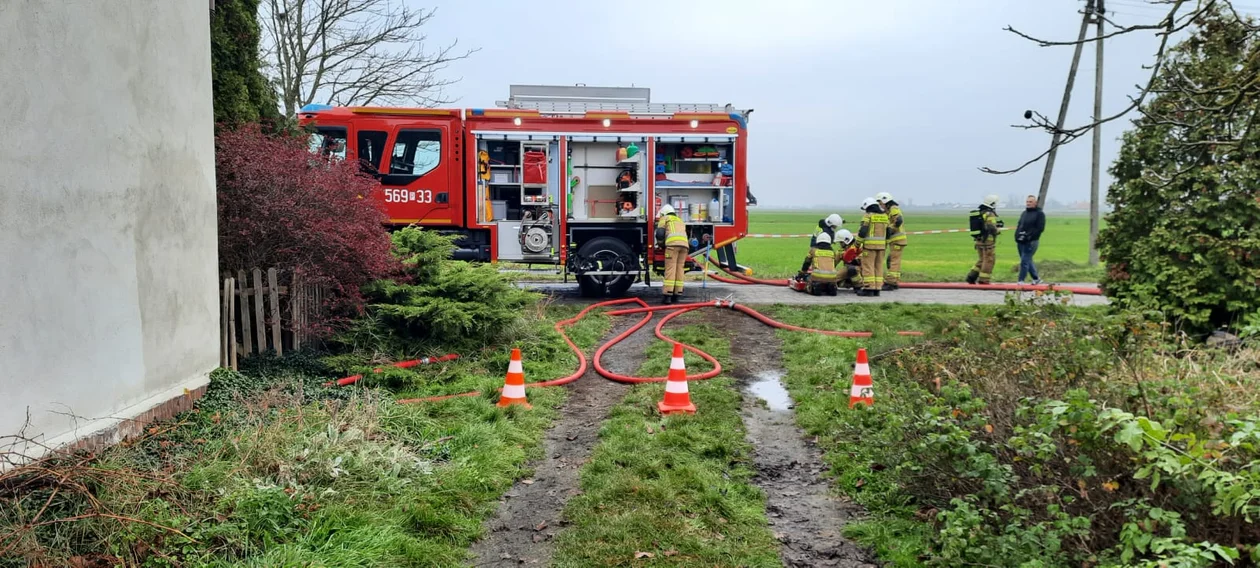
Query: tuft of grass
x,y
671,491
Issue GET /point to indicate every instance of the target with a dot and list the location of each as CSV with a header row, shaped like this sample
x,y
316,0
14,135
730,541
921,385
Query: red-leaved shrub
x,y
282,206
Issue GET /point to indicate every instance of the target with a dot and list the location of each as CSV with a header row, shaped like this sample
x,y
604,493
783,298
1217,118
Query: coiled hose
x,y
648,313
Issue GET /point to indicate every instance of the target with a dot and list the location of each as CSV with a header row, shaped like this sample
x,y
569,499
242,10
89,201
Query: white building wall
x,y
108,302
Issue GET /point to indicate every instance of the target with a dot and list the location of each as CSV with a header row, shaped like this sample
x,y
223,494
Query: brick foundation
x,y
131,428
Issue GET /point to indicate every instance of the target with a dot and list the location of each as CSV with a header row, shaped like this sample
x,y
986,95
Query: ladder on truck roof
x,y
580,99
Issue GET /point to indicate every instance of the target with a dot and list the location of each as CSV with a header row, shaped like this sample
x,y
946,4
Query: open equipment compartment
x,y
518,190
605,178
696,175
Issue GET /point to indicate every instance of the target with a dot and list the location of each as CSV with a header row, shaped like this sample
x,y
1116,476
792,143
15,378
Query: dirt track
x,y
757,294
802,511
803,514
529,515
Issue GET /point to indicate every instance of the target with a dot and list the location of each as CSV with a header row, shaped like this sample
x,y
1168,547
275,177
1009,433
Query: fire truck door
x,y
416,179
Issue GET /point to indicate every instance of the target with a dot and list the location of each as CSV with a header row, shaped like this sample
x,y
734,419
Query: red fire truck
x,y
567,176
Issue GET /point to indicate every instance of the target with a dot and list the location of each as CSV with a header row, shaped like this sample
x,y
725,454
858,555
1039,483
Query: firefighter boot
x,y
666,299
973,276
889,287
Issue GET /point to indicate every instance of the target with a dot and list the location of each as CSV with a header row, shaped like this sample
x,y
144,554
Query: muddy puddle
x,y
768,387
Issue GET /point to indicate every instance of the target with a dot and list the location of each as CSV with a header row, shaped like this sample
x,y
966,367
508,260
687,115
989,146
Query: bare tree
x,y
1180,15
358,52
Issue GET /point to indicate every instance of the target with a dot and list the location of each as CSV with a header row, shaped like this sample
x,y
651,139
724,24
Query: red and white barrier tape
x,y
937,232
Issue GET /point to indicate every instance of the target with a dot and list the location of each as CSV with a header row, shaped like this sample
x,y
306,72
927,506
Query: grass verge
x,y
672,491
1034,434
272,469
819,372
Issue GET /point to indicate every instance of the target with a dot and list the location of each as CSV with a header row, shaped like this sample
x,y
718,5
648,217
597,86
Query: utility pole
x,y
1093,176
1063,107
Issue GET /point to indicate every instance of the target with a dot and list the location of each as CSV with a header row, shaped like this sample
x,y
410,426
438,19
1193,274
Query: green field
x,y
1062,257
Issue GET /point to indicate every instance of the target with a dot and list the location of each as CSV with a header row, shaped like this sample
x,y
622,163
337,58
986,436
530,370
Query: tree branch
x,y
354,52
1170,24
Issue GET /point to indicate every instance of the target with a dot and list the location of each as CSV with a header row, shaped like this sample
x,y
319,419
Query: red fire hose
x,y
559,327
677,310
740,308
648,313
401,365
723,279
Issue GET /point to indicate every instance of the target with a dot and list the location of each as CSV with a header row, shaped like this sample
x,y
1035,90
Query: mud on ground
x,y
803,513
529,515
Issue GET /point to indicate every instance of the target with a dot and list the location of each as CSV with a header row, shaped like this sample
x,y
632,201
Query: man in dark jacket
x,y
1027,234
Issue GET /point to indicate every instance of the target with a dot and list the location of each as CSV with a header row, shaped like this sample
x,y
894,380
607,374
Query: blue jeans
x,y
1026,266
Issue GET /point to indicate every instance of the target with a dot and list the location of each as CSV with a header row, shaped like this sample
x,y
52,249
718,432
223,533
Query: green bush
x,y
1181,236
1043,437
452,303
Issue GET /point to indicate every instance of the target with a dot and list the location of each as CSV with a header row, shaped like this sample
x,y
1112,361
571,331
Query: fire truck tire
x,y
605,248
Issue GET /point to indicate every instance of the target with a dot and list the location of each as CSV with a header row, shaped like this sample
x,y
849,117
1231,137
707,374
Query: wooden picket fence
x,y
265,316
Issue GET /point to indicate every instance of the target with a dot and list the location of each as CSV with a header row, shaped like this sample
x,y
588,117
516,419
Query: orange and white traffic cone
x,y
677,398
863,391
514,383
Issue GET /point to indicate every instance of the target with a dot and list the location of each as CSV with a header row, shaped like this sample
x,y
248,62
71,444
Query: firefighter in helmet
x,y
820,265
873,236
848,260
830,224
984,230
896,239
671,232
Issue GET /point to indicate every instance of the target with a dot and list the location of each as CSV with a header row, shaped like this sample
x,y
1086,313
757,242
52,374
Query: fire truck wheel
x,y
610,252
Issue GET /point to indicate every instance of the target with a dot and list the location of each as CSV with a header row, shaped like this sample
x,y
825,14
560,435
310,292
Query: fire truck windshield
x,y
329,142
416,152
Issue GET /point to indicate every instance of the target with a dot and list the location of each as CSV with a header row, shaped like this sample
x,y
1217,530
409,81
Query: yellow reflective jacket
x,y
990,234
896,233
675,230
822,264
873,234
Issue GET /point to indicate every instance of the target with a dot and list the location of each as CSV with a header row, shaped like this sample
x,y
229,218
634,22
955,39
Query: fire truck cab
x,y
566,176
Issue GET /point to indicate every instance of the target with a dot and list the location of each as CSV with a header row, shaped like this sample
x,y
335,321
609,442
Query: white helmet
x,y
844,236
834,221
990,201
667,209
868,202
883,197
823,238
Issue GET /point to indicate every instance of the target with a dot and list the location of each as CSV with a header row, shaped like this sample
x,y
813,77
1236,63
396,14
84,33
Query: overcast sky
x,y
851,98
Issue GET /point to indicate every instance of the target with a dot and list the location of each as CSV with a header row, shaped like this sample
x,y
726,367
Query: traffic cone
x,y
514,383
862,391
677,399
